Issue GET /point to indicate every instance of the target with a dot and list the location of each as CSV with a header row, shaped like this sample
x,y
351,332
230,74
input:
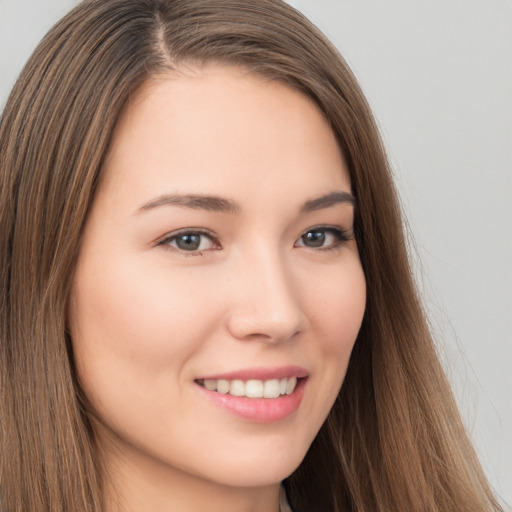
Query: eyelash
x,y
342,237
189,232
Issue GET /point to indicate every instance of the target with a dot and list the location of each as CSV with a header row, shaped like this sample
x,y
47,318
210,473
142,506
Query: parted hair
x,y
394,440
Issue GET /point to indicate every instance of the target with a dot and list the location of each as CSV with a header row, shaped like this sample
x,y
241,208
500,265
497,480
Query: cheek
x,y
337,309
135,313
336,313
133,329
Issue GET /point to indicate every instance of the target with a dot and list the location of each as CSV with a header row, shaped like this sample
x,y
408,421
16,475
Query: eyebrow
x,y
327,201
195,202
222,205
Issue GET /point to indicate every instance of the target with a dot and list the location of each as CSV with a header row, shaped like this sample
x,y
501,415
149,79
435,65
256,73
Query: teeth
x,y
211,385
222,386
252,388
237,388
290,386
271,388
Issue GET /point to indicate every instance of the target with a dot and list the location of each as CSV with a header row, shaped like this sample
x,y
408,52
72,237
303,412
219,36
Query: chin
x,y
259,471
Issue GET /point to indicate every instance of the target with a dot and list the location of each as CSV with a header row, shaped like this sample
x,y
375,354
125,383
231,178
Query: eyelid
x,y
344,235
164,240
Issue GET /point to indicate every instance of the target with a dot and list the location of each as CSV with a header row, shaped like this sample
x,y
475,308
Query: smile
x,y
260,395
253,388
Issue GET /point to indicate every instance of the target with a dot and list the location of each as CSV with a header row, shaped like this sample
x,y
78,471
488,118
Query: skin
x,y
148,318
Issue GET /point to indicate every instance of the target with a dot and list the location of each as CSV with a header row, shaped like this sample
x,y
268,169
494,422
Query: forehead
x,y
219,128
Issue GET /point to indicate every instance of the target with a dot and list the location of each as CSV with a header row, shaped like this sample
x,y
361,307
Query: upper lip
x,y
260,373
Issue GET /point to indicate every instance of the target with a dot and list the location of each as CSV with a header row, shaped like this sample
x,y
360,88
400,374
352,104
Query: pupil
x,y
314,238
189,242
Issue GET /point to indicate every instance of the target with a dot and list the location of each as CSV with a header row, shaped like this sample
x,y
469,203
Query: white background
x,y
438,74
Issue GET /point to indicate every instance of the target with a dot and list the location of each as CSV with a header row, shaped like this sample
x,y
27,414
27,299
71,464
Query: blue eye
x,y
190,241
323,238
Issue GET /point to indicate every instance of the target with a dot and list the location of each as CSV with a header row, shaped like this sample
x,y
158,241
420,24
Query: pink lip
x,y
257,410
282,372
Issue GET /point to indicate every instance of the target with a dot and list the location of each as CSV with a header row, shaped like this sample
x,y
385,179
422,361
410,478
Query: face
x,y
218,291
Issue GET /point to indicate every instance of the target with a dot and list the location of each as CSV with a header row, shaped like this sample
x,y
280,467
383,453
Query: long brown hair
x,y
393,440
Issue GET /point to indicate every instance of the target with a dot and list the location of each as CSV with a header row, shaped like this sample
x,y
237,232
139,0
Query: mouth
x,y
260,395
252,388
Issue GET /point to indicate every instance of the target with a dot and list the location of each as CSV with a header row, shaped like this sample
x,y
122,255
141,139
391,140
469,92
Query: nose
x,y
265,300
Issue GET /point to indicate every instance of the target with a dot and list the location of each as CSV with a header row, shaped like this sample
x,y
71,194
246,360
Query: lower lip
x,y
259,410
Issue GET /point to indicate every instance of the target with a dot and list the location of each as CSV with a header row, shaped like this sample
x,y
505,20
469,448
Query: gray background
x,y
438,74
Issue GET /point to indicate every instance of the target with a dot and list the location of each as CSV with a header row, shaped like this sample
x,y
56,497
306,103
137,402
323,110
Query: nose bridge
x,y
265,302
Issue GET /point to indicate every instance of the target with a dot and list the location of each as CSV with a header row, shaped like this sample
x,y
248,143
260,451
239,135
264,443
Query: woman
x,y
207,288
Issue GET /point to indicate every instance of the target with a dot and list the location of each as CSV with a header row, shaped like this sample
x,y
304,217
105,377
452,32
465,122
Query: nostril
x,y
266,329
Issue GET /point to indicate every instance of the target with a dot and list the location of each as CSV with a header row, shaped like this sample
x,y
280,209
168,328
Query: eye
x,y
323,238
190,241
